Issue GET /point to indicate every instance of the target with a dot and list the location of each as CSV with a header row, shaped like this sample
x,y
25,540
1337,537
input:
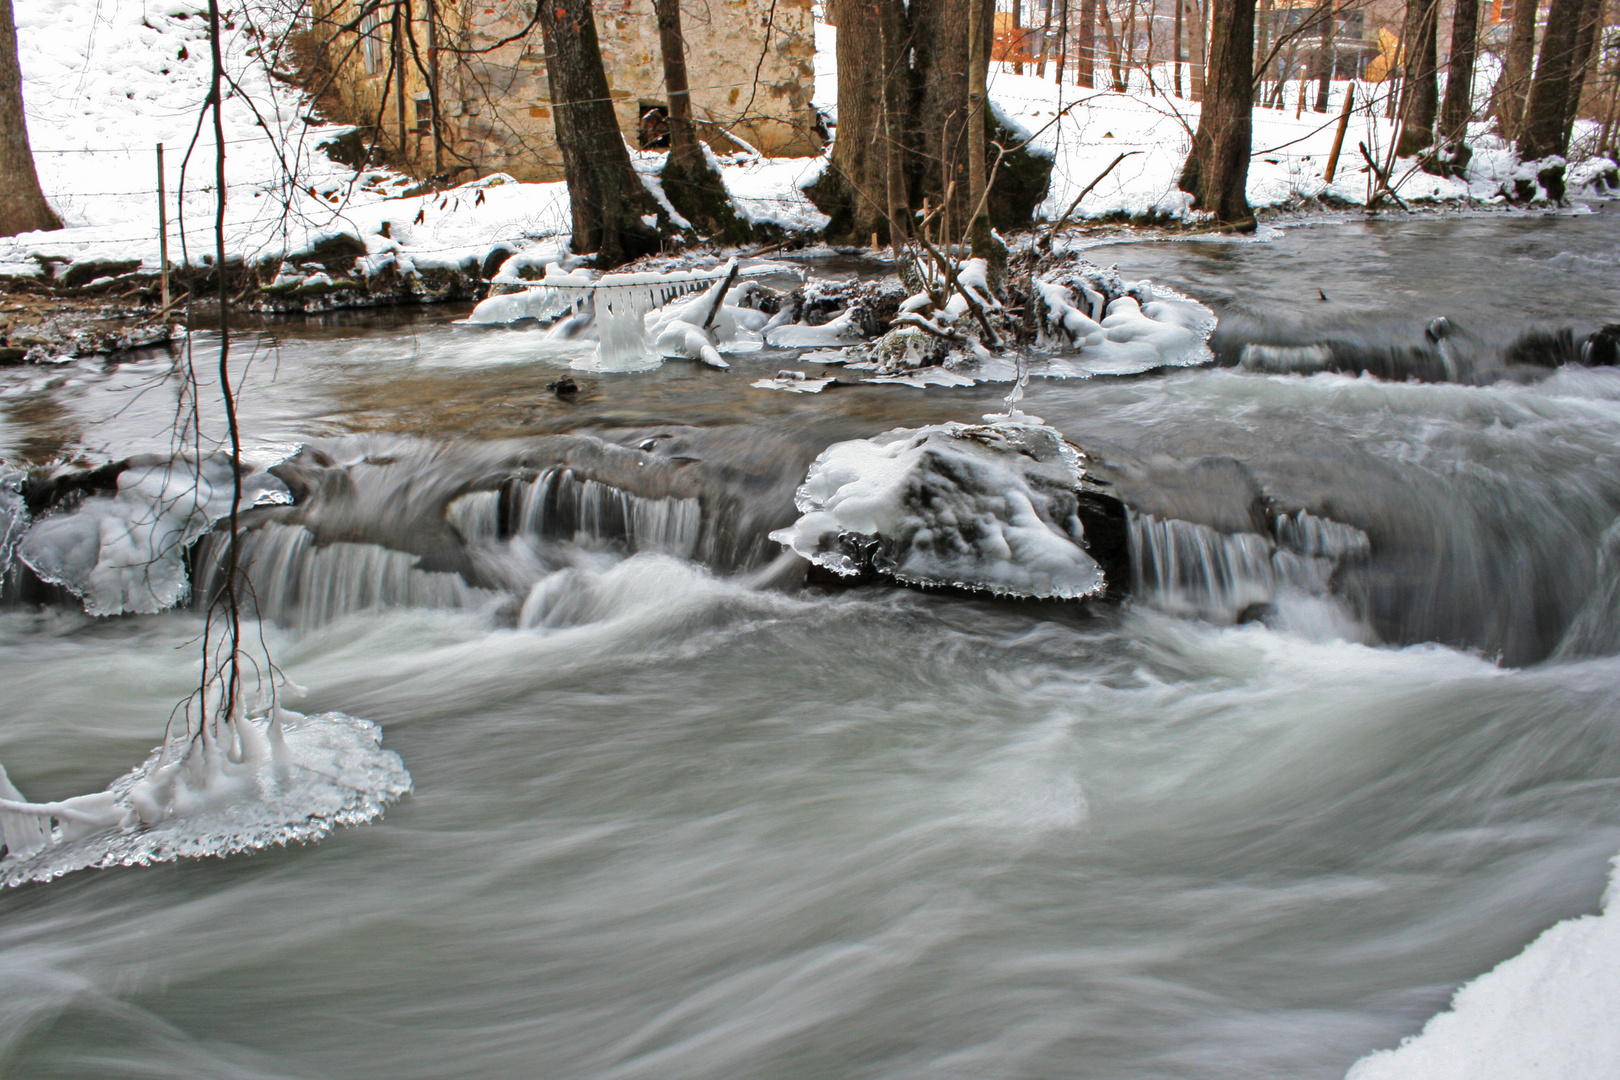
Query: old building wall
x,y
750,64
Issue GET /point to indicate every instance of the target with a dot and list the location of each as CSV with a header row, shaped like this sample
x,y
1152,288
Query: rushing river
x,y
678,813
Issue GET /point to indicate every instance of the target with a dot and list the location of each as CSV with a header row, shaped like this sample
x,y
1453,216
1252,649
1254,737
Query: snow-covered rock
x,y
991,507
126,552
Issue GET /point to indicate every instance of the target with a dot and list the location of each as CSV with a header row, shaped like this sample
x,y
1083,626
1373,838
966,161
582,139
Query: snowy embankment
x,y
104,84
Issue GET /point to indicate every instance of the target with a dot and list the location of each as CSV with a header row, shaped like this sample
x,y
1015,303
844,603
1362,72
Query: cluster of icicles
x,y
239,783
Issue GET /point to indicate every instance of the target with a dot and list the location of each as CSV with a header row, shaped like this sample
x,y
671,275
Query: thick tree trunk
x,y
1063,40
1515,81
1541,133
1198,75
944,55
978,67
22,205
1217,170
875,96
1085,64
1421,94
608,198
1459,104
690,182
1585,43
1046,37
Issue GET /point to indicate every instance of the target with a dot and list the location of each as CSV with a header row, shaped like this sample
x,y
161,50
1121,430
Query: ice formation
x,y
1546,1013
637,318
237,786
126,552
985,507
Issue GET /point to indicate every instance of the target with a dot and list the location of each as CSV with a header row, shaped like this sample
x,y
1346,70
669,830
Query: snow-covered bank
x,y
104,84
1547,1013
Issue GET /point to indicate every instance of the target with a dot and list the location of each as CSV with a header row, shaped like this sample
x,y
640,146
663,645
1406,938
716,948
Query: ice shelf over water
x,y
987,507
243,786
126,552
1546,1014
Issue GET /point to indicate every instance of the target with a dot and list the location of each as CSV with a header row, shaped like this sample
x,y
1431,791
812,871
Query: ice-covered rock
x,y
126,552
233,787
992,507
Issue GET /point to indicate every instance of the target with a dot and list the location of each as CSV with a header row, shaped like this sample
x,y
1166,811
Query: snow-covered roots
x,y
238,785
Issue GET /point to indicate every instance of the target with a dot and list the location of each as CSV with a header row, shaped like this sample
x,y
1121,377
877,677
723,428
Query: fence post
x,y
1338,139
163,231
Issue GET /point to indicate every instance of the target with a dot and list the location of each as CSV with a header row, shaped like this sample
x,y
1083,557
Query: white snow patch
x,y
1546,1014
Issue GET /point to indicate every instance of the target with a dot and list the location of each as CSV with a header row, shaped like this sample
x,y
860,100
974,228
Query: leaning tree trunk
x,y
1541,134
608,198
1458,107
1217,170
1421,95
1515,80
22,205
691,184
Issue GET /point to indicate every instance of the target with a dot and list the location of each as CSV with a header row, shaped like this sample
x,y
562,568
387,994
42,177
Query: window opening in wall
x,y
424,116
653,132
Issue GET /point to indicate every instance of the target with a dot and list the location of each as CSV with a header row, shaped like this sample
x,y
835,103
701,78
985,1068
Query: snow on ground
x,y
1546,1013
105,82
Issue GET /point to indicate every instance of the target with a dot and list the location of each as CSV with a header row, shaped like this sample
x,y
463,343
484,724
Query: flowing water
x,y
678,812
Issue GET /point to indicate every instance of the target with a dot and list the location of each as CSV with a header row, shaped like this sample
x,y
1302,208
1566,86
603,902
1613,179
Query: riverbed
x,y
693,815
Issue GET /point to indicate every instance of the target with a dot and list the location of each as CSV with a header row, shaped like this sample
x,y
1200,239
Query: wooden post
x,y
1338,138
163,231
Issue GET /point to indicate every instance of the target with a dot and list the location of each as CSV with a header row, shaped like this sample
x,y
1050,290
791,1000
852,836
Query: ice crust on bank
x,y
242,786
977,506
1546,1014
126,552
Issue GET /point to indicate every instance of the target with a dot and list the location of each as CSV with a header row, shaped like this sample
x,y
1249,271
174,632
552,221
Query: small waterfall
x,y
1193,570
560,505
302,584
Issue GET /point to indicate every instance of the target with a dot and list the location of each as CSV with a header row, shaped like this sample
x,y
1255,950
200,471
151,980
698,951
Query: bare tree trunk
x,y
1175,61
608,198
1262,44
1063,40
1421,94
1515,81
1198,77
978,69
1111,41
1585,41
1085,63
1217,170
1541,133
22,205
1324,56
1016,37
875,93
1046,37
1459,104
690,182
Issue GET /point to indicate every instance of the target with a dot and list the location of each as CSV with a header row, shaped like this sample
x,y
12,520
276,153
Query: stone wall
x,y
496,103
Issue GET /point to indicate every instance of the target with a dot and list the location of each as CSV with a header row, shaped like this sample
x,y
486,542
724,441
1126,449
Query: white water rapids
x,y
676,812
